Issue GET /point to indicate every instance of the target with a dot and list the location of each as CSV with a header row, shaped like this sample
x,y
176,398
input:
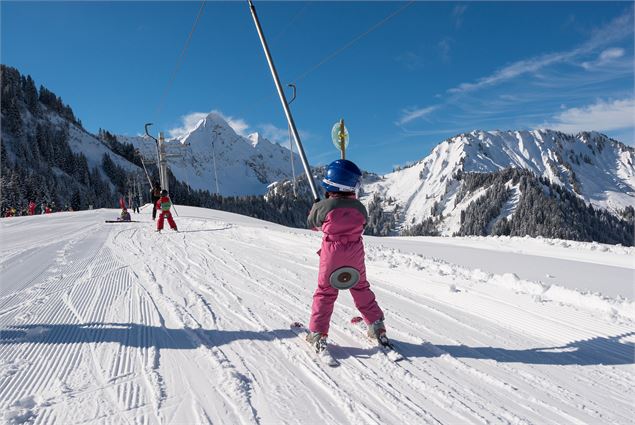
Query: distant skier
x,y
155,194
31,208
135,205
164,204
342,218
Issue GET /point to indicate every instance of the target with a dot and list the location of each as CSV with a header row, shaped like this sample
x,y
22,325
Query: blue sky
x,y
433,70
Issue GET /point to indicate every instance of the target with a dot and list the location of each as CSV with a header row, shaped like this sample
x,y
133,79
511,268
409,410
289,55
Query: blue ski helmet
x,y
342,176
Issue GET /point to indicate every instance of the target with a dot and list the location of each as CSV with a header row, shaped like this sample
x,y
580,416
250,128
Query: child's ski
x,y
322,353
383,343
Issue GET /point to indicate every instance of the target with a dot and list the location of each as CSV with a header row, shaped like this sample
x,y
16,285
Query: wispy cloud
x,y
411,60
445,47
600,116
410,115
544,81
619,28
512,71
607,56
457,15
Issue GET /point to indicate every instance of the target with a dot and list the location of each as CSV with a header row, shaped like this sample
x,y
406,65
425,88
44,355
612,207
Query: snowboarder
x,y
155,194
125,215
164,204
342,218
31,208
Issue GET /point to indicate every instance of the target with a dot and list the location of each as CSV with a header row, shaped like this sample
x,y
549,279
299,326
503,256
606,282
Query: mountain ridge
x,y
215,155
598,169
462,187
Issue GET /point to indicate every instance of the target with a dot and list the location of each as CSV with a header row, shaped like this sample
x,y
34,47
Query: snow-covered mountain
x,y
213,152
47,155
597,169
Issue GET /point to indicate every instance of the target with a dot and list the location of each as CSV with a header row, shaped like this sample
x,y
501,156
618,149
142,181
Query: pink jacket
x,y
342,219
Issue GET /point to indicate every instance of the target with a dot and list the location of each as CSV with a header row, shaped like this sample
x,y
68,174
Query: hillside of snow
x,y
79,140
599,170
214,155
114,323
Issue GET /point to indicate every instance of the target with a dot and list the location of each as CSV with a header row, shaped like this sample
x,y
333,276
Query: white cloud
x,y
190,121
600,116
410,115
239,125
612,53
607,56
280,135
275,134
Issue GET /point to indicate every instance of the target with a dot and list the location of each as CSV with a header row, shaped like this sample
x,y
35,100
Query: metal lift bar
x,y
285,105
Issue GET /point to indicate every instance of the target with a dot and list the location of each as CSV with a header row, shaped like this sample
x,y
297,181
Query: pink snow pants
x,y
334,255
168,215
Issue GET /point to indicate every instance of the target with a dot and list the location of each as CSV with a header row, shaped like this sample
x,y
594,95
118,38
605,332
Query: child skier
x,y
342,218
125,215
164,204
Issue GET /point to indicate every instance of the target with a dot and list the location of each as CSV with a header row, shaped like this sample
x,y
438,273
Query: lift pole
x,y
285,105
295,194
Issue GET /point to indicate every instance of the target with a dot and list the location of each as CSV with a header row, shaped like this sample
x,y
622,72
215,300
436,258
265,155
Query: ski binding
x,y
320,349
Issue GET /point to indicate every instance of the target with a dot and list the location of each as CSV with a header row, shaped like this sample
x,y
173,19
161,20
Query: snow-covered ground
x,y
114,323
603,269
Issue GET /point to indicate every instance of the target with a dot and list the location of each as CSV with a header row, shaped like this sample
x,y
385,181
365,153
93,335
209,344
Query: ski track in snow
x,y
117,324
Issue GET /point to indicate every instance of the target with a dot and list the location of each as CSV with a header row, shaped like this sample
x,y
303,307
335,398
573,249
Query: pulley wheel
x,y
344,278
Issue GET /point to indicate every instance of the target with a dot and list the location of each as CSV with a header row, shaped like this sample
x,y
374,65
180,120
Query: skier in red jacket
x,y
31,208
163,205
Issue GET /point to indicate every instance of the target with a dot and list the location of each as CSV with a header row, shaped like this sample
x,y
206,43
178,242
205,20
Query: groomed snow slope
x,y
118,324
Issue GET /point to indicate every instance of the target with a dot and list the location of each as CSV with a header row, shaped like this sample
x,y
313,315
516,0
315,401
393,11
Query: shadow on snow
x,y
593,351
133,335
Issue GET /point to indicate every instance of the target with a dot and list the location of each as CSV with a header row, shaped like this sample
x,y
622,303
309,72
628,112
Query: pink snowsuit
x,y
342,219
